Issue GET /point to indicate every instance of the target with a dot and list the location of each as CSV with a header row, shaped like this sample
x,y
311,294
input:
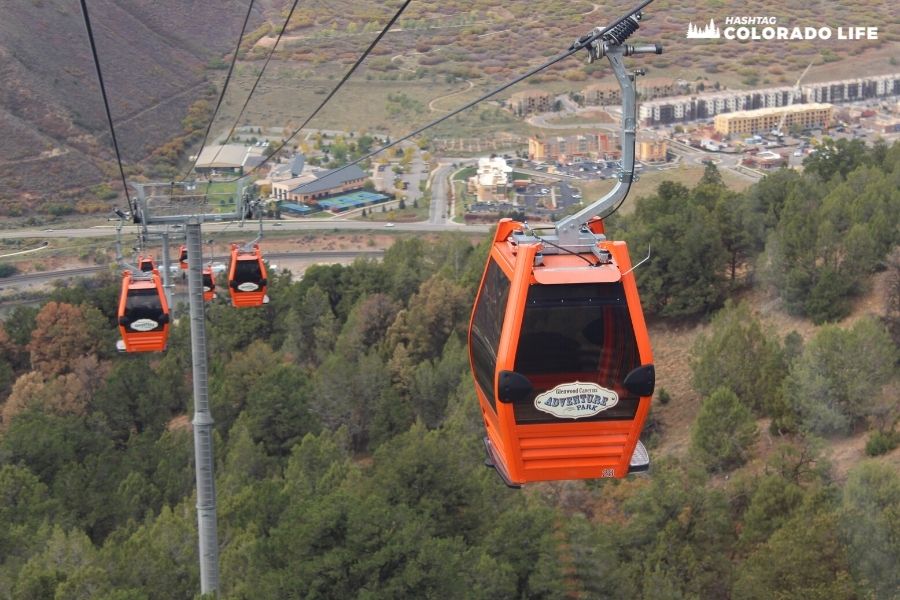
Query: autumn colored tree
x,y
438,310
64,332
67,394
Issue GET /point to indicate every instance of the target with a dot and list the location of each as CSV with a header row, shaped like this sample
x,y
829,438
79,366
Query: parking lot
x,y
587,169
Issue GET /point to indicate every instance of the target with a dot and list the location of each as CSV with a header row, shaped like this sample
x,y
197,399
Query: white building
x,y
491,179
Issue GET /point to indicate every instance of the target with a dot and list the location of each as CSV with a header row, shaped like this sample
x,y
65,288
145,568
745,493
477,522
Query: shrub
x,y
663,396
881,442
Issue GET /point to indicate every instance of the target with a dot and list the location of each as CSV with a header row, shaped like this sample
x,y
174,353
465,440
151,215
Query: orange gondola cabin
x,y
146,264
561,360
557,341
247,278
209,284
143,313
183,258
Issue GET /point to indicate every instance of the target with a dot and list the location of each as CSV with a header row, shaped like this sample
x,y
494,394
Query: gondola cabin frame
x,y
528,441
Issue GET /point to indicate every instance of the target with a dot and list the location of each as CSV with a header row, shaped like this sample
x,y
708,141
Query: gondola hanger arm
x,y
610,43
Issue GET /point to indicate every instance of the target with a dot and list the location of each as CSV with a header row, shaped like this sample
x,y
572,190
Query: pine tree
x,y
724,431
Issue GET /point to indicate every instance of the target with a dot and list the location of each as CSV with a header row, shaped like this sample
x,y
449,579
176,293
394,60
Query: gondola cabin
x,y
143,313
146,264
183,258
209,284
247,278
561,360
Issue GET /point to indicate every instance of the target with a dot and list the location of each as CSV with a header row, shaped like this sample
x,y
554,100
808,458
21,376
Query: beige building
x,y
230,159
530,101
651,150
563,147
601,94
648,88
748,122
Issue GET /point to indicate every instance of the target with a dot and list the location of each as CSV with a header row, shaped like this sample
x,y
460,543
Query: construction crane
x,y
779,131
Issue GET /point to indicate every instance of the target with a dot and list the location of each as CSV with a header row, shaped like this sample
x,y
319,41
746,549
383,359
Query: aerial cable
x,y
256,83
343,80
90,33
224,88
582,43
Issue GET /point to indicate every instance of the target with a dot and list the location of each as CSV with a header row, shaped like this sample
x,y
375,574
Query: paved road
x,y
437,214
289,225
696,156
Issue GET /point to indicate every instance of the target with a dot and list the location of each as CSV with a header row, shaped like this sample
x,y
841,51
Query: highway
x,y
268,225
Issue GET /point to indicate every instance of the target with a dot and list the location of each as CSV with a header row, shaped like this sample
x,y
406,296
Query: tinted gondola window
x,y
247,271
143,304
486,327
577,332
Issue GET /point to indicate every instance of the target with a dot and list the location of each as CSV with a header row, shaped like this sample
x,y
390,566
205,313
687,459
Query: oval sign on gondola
x,y
206,288
144,325
576,400
248,286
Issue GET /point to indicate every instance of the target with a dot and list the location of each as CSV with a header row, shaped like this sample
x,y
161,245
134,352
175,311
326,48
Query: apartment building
x,y
530,102
565,147
749,122
708,105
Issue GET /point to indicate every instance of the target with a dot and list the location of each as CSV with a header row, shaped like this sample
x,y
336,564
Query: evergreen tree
x,y
870,518
837,381
723,432
686,276
739,355
803,559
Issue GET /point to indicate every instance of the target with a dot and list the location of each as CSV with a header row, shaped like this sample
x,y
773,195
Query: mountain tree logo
x,y
710,32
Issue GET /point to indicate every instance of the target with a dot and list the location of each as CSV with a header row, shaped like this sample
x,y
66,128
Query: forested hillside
x,y
349,460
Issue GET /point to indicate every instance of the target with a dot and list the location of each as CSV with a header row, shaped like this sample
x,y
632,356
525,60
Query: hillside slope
x,y
55,138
